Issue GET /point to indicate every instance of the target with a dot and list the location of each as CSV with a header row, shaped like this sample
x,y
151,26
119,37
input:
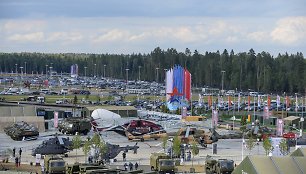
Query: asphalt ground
x,y
229,149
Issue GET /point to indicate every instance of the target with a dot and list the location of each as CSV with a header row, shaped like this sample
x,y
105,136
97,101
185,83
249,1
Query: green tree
x,y
164,142
283,147
194,150
250,144
99,146
176,146
86,147
76,144
267,146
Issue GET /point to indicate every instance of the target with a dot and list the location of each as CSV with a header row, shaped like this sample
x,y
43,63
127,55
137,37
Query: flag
x,y
239,101
280,127
287,102
278,100
249,102
296,103
269,101
214,118
187,84
258,101
169,83
229,101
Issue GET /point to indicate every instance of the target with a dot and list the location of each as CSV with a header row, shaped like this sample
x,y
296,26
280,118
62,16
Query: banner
x,y
266,113
229,102
249,102
184,112
296,103
214,118
278,101
287,102
258,101
279,127
55,119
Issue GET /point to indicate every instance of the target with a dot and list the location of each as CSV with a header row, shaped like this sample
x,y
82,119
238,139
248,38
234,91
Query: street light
x,y
25,67
95,70
127,78
104,70
16,71
157,74
46,69
50,71
223,72
21,70
85,72
139,72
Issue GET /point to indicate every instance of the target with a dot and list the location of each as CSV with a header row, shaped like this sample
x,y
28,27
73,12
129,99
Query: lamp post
x,y
50,71
95,70
85,68
21,70
104,70
16,71
222,72
157,74
46,69
25,67
139,73
127,78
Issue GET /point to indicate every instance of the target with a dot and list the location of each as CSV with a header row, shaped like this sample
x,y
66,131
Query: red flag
x,y
187,84
209,101
287,102
269,101
229,101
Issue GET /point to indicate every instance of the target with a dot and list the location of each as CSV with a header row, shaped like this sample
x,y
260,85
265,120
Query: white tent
x,y
105,118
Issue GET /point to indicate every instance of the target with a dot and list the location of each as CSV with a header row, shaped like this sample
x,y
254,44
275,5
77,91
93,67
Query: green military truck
x,y
54,164
162,163
220,166
74,125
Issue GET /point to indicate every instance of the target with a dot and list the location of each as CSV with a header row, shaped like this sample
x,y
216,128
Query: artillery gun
x,y
21,130
219,166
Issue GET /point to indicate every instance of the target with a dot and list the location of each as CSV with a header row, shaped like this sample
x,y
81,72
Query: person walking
x,y
125,166
136,166
16,161
131,166
20,151
124,156
14,151
19,161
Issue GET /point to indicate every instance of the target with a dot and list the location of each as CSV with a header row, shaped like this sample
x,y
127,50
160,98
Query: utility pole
x,y
139,72
127,78
222,72
104,70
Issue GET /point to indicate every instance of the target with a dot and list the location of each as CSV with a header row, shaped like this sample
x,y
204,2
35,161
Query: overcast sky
x,y
139,26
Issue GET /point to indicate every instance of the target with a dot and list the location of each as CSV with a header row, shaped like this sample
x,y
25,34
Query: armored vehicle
x,y
219,166
162,163
74,125
21,130
54,164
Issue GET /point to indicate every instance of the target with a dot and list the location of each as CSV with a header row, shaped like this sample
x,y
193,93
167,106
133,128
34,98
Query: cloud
x,y
112,35
23,25
65,36
258,36
29,37
291,30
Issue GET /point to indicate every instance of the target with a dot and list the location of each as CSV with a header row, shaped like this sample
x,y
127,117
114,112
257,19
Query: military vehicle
x,y
54,164
219,166
53,146
189,134
162,163
75,124
22,131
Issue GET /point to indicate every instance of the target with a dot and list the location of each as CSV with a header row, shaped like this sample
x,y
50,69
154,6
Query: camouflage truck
x,y
21,130
75,124
219,166
162,163
54,164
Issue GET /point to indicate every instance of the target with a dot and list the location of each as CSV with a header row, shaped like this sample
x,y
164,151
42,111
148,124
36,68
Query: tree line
x,y
241,71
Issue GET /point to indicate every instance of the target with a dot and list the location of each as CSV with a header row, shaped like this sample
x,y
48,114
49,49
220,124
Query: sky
x,y
139,26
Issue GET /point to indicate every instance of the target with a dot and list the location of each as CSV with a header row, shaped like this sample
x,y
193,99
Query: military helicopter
x,y
112,150
55,145
189,134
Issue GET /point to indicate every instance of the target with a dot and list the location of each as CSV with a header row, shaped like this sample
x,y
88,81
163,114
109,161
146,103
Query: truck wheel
x,y
85,132
142,140
66,155
152,168
207,171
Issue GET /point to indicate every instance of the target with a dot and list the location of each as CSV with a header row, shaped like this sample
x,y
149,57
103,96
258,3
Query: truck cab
x,y
162,163
54,164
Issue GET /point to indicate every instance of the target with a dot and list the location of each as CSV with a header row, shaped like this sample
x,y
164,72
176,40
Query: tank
x,y
22,130
74,125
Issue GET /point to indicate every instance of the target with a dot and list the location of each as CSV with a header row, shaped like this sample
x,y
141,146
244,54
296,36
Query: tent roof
x,y
291,118
92,108
299,152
